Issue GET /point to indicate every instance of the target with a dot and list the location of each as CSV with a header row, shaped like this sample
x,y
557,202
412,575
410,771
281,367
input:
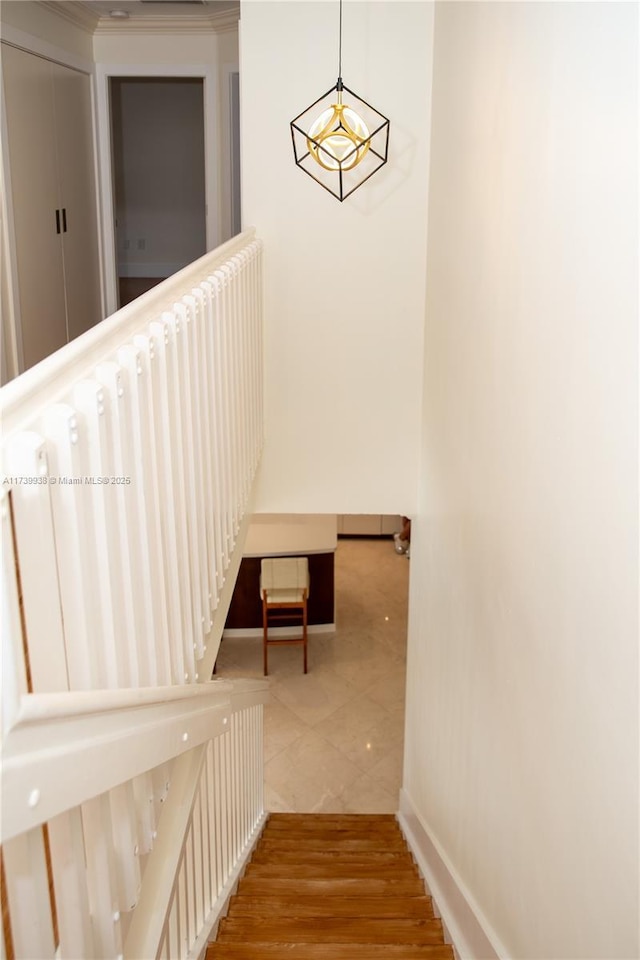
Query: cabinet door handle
x,y
64,219
57,221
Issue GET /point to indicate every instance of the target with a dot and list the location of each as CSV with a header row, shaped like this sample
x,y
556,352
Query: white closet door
x,y
74,144
33,171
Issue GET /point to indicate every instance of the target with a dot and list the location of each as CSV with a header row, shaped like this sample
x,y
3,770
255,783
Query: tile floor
x,y
334,738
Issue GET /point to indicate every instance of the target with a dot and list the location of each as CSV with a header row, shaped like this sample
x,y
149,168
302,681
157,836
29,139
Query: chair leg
x,y
264,638
304,632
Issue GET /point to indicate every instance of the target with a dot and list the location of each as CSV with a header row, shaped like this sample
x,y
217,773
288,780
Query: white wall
x,y
521,756
344,311
36,21
218,53
228,63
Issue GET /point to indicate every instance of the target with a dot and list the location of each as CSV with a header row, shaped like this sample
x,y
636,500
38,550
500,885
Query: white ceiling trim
x,y
80,15
212,23
75,13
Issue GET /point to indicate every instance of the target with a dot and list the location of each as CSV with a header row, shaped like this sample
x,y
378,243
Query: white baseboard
x,y
250,632
465,926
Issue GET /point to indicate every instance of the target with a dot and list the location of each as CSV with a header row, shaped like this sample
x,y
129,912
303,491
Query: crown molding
x,y
73,12
219,23
81,16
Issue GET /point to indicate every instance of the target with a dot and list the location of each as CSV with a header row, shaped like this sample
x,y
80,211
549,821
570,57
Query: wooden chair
x,y
284,588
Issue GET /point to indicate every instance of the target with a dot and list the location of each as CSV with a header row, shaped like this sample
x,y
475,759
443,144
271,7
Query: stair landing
x,y
325,887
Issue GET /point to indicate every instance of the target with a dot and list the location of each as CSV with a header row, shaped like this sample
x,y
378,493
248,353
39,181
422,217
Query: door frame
x,y
234,158
104,73
12,362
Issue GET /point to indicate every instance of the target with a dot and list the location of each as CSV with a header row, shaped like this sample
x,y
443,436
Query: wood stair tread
x,y
332,907
339,930
258,950
359,844
328,870
330,887
334,834
395,858
313,819
335,887
367,829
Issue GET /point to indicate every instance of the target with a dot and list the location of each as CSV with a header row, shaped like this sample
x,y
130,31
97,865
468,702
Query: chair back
x,y
284,573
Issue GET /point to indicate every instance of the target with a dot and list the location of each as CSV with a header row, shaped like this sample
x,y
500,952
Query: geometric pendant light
x,y
340,140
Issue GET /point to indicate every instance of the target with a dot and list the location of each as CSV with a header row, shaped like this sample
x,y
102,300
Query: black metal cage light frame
x,y
340,144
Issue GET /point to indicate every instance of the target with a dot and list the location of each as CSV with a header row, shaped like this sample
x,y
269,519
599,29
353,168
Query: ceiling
x,y
100,11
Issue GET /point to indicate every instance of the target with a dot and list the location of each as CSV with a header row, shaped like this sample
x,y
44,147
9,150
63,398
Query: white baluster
x,y
198,381
245,755
260,762
125,845
206,410
122,518
215,440
66,843
235,784
161,782
250,770
143,357
94,453
223,384
185,418
247,423
175,347
194,320
162,384
188,869
255,355
256,322
174,926
204,861
77,572
227,799
198,861
232,386
163,951
14,681
27,890
101,878
241,281
222,845
233,412
26,460
134,514
145,812
182,913
212,811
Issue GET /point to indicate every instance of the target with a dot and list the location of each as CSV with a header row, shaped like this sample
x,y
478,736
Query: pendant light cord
x,y
340,50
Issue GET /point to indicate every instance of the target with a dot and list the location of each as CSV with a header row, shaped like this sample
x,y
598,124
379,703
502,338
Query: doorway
x,y
159,192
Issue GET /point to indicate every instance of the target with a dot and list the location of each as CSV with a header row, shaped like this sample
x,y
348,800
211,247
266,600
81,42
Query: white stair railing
x,y
128,817
128,459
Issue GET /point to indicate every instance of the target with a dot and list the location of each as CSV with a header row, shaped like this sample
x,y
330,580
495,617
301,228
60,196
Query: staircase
x,y
324,887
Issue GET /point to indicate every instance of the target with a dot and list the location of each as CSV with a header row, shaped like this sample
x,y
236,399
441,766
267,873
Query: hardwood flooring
x,y
330,887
